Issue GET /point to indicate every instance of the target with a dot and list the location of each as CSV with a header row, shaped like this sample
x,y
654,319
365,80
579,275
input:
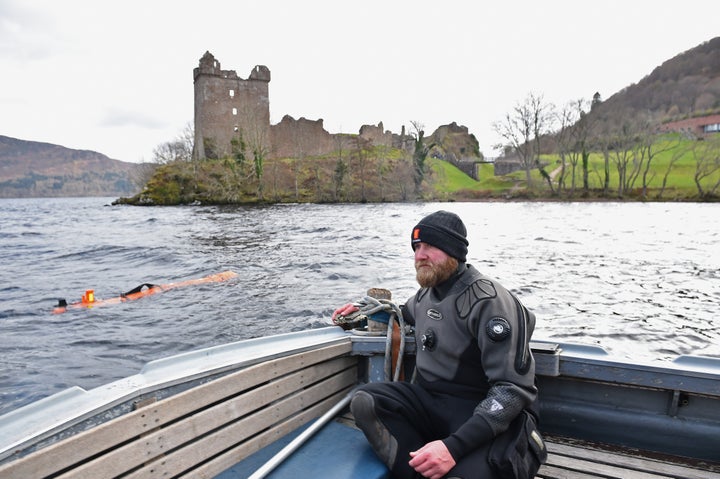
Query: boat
x,y
276,407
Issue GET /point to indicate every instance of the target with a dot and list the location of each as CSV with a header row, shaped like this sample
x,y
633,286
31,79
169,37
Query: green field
x,y
676,164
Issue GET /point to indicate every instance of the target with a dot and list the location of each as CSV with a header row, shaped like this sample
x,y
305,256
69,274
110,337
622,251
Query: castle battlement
x,y
228,107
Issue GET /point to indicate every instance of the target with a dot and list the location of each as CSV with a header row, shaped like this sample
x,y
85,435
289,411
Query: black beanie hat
x,y
443,230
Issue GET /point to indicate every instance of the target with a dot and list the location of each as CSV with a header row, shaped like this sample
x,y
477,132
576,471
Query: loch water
x,y
640,280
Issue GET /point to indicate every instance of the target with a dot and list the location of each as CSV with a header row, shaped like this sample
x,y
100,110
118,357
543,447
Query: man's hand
x,y
344,310
433,460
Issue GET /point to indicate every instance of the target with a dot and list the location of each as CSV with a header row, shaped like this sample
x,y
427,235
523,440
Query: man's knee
x,y
383,443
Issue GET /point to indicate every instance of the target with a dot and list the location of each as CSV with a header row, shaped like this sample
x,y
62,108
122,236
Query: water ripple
x,y
642,281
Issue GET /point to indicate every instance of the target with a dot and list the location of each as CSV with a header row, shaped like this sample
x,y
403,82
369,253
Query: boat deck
x,y
568,459
340,451
226,411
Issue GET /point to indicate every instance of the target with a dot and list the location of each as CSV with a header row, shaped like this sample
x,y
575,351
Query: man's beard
x,y
434,274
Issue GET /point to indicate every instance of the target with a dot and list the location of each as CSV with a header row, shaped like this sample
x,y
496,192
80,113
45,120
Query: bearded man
x,y
475,372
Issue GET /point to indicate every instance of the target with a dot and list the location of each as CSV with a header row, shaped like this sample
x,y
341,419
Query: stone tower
x,y
227,107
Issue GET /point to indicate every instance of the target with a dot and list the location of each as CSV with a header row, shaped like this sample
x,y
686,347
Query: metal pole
x,y
285,452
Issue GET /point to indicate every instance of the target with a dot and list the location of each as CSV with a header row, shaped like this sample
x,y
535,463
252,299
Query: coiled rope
x,y
373,309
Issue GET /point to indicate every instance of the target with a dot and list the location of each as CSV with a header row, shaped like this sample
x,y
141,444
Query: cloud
x,y
117,117
83,72
25,34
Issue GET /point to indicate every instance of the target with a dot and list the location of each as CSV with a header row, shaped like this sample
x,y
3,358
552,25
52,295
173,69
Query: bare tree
x,y
641,140
403,176
142,174
566,118
620,146
178,149
654,144
522,130
543,116
381,170
238,150
707,166
420,154
316,181
581,134
187,137
677,154
360,154
259,153
573,141
341,168
604,142
258,144
634,146
168,152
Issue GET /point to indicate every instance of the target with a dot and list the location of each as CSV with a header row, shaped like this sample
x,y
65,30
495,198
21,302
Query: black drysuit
x,y
475,373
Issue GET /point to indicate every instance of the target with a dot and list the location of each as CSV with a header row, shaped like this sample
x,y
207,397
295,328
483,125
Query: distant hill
x,y
33,169
687,85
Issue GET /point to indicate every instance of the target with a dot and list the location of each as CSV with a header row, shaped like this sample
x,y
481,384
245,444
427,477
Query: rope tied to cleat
x,y
383,311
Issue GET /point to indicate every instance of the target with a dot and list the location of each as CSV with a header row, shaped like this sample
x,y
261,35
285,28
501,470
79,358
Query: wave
x,y
636,290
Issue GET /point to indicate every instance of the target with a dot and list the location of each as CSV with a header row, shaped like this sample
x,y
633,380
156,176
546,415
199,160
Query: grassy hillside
x,y
387,176
684,86
670,177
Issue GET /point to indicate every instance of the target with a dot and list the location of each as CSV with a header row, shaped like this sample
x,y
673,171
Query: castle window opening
x,y
232,93
236,129
235,111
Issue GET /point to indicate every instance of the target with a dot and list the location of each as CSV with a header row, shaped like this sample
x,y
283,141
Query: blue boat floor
x,y
337,450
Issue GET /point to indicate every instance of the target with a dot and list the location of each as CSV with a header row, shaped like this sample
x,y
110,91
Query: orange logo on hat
x,y
416,233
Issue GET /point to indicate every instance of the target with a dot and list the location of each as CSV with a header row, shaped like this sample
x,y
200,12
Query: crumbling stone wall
x,y
300,138
455,144
376,135
507,165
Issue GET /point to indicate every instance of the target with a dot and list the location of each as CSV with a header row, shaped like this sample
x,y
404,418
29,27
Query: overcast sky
x,y
116,77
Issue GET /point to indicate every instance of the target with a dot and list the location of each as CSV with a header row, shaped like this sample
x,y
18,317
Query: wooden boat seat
x,y
572,459
206,429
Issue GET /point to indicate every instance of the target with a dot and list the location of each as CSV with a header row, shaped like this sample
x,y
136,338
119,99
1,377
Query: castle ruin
x,y
227,106
230,110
